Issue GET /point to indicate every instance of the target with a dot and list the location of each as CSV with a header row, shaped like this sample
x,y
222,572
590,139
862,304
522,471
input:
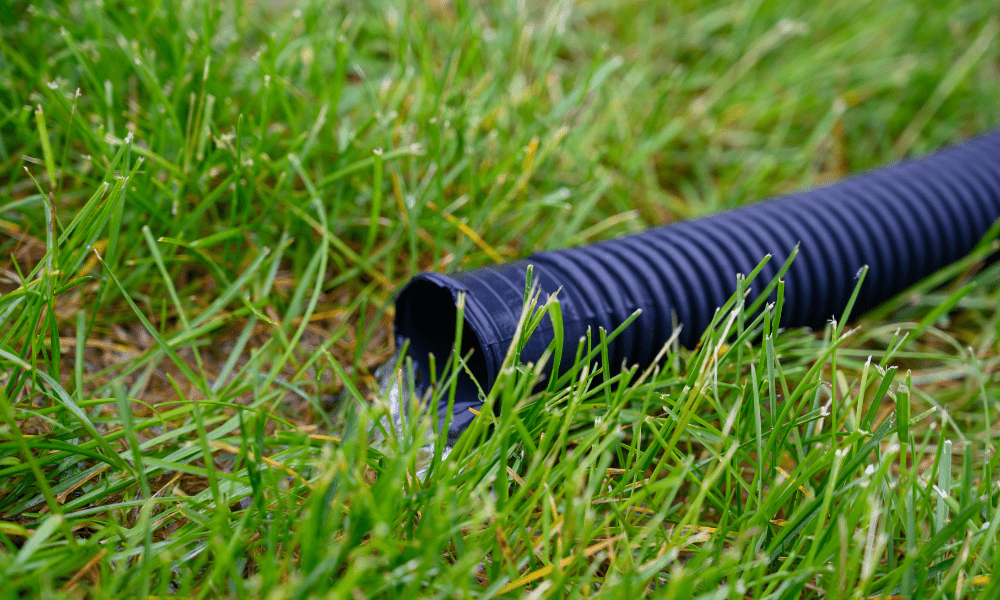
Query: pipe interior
x,y
425,315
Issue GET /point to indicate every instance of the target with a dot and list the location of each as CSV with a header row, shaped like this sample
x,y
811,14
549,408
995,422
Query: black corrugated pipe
x,y
904,222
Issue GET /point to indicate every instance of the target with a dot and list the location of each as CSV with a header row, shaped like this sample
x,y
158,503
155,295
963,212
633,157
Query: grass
x,y
206,208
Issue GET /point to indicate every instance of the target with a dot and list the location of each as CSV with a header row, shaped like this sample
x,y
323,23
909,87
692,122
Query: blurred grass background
x,y
209,205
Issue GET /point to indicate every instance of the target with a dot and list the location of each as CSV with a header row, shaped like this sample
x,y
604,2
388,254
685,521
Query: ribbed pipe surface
x,y
905,222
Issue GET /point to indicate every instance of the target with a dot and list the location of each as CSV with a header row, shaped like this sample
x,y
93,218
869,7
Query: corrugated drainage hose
x,y
905,222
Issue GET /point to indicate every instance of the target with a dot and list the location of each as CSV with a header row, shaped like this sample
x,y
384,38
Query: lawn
x,y
205,211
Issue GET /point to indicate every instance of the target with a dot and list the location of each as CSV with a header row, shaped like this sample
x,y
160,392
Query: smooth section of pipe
x,y
904,222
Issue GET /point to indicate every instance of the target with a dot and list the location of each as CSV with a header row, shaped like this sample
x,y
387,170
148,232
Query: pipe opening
x,y
425,315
